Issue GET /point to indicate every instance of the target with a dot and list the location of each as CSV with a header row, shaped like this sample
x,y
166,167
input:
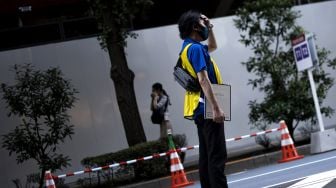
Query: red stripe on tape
x,y
141,159
156,155
105,167
70,174
87,170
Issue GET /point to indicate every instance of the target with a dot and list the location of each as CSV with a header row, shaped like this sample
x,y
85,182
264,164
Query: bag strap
x,y
185,63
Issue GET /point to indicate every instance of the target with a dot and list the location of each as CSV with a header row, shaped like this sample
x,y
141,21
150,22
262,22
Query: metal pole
x,y
317,106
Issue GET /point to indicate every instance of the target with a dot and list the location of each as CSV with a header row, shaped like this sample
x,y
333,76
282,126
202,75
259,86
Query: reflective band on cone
x,y
179,178
175,162
289,152
49,180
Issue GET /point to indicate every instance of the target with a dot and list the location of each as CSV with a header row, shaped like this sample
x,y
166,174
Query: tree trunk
x,y
41,182
290,127
123,79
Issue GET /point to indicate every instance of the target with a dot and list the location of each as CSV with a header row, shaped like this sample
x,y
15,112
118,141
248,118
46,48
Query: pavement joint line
x,y
269,186
240,160
324,181
235,161
318,179
296,179
283,169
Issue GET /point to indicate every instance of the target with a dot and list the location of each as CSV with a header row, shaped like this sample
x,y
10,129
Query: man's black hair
x,y
187,22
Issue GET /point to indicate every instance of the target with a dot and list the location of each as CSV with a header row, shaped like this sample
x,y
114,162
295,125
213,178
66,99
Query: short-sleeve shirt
x,y
199,57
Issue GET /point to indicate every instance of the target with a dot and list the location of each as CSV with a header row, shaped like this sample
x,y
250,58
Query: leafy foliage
x,y
267,27
121,13
41,100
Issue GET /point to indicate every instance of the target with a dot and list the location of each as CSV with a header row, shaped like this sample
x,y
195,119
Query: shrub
x,y
143,170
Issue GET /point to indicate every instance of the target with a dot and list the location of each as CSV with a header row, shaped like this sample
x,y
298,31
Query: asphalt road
x,y
314,171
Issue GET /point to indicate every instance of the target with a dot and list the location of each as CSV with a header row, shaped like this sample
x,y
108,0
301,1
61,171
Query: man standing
x,y
194,28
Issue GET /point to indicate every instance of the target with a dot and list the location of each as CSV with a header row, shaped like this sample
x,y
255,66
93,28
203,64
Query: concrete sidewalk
x,y
231,167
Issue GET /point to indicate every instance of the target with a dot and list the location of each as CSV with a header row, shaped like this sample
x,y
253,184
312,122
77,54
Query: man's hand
x,y
206,21
212,44
218,115
217,112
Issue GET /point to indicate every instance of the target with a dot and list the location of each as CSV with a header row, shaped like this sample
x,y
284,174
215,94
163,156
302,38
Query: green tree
x,y
266,27
114,18
41,100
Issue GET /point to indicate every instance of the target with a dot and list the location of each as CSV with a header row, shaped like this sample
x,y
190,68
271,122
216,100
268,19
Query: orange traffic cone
x,y
179,178
289,152
49,180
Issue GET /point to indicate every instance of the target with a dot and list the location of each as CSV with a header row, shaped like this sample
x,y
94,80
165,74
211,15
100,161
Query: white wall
x,y
98,126
156,61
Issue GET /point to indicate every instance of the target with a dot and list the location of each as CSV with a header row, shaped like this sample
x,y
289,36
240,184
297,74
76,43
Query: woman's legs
x,y
165,125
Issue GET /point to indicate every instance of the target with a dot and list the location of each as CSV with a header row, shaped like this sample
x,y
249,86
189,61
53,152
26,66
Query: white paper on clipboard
x,y
222,93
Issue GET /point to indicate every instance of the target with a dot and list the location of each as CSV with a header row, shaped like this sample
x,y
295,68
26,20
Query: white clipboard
x,y
222,93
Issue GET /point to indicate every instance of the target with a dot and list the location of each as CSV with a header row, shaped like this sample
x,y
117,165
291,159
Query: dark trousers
x,y
212,153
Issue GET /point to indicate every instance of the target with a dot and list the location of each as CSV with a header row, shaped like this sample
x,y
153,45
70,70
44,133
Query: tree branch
x,y
297,123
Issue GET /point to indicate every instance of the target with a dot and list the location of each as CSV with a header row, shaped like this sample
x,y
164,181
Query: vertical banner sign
x,y
302,53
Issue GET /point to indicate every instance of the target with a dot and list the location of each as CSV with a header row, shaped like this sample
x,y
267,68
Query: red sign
x,y
298,40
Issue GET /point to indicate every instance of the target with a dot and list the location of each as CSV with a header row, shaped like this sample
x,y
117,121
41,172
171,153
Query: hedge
x,y
143,170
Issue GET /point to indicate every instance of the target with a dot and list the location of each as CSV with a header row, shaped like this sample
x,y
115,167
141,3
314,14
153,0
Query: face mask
x,y
204,32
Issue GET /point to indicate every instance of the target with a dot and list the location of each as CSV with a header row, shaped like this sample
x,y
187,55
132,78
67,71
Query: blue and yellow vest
x,y
191,99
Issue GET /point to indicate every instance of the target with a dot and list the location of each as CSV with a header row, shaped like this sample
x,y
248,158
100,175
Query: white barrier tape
x,y
164,154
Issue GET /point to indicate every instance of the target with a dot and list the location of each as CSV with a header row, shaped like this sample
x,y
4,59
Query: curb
x,y
231,168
